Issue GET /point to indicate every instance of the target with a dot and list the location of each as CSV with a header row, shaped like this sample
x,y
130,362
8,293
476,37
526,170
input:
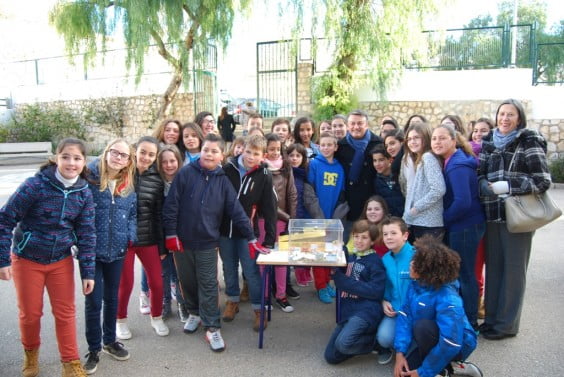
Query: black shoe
x,y
291,292
284,305
116,350
496,335
484,327
91,364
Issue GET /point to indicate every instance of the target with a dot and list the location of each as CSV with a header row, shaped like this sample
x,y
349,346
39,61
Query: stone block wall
x,y
131,117
305,74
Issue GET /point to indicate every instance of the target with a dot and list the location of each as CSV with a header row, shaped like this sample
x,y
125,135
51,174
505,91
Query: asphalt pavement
x,y
294,342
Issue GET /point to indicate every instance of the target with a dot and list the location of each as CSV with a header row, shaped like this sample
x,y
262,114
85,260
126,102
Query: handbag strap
x,y
513,158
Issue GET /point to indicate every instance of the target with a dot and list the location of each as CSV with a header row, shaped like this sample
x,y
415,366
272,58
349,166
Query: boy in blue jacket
x,y
199,197
396,261
361,289
327,177
433,335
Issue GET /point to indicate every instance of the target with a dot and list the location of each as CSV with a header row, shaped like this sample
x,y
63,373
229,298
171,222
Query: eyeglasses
x,y
117,154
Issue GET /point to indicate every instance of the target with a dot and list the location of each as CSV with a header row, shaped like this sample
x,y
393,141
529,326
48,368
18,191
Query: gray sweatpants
x,y
197,276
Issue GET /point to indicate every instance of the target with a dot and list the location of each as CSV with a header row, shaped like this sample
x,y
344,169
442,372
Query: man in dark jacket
x,y
354,154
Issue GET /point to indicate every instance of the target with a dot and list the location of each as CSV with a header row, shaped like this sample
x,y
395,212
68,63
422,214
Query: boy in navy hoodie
x,y
361,290
327,177
252,181
199,198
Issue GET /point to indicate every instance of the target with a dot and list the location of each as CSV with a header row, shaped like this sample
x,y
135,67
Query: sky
x,y
27,34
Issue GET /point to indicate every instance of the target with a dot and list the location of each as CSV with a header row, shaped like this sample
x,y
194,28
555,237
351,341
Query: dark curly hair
x,y
434,262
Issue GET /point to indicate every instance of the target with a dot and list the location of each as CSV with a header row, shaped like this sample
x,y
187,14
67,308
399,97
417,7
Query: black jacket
x,y
357,193
149,188
256,194
227,127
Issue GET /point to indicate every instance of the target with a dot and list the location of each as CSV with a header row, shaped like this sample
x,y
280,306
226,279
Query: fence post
x,y
533,42
505,46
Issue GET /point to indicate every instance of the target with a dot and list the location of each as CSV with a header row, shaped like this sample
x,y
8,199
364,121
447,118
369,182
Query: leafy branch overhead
x,y
371,40
180,29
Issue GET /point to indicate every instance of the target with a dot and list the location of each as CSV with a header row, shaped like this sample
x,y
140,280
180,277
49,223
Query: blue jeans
x,y
353,337
465,243
233,251
386,332
106,285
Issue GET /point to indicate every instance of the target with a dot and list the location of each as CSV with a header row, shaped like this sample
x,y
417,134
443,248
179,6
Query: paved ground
x,y
294,342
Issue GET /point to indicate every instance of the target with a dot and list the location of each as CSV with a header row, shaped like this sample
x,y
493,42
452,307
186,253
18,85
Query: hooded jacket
x,y
283,181
444,306
328,180
462,207
51,220
362,288
308,203
255,192
529,173
116,218
196,204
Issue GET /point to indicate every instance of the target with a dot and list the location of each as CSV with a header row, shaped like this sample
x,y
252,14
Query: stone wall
x,y
128,117
305,73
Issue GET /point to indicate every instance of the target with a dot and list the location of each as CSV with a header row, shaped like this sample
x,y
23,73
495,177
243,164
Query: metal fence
x,y
477,48
110,65
549,63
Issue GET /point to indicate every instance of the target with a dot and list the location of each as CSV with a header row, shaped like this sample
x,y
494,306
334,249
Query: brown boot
x,y
30,366
244,296
73,369
256,325
231,308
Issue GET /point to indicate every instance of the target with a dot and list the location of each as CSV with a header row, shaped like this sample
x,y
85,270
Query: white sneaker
x,y
463,368
122,329
192,324
159,326
213,336
144,305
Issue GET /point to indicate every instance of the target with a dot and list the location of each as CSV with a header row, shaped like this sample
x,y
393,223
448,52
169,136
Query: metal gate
x,y
277,79
204,81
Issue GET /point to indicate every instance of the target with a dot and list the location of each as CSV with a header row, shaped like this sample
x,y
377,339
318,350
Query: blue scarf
x,y
359,146
500,141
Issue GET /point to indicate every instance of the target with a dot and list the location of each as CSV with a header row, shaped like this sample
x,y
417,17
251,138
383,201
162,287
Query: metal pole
x,y
514,35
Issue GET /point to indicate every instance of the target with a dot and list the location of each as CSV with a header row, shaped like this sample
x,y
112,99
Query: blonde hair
x,y
124,178
256,142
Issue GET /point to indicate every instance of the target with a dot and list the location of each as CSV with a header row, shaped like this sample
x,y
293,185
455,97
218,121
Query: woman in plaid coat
x,y
507,254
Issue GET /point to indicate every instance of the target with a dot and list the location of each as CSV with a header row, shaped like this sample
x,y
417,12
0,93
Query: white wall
x,y
493,84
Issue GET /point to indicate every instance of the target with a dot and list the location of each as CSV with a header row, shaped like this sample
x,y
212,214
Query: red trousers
x,y
30,280
321,277
479,270
151,261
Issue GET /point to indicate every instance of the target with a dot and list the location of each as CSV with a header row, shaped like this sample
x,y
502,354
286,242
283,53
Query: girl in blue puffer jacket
x,y
111,183
433,336
53,213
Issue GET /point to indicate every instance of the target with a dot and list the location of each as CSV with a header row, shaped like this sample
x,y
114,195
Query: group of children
x,y
111,210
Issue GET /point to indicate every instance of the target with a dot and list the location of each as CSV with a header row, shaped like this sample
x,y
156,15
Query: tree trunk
x,y
169,95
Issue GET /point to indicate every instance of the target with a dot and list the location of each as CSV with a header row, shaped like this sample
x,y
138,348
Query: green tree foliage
x,y
181,30
372,39
37,122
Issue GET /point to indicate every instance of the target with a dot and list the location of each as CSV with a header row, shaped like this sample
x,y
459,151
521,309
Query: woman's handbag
x,y
527,213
